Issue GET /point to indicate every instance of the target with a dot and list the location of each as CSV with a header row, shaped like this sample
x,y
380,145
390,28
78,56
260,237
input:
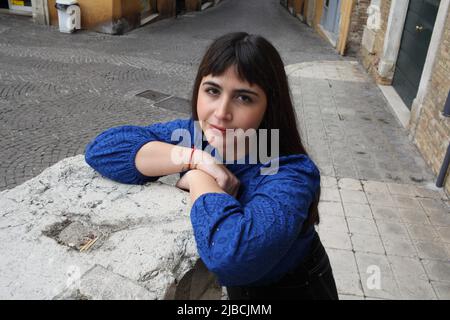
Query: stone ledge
x,y
143,236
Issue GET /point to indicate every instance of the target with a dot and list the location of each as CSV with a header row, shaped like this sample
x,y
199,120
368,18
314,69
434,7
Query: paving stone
x,y
407,268
352,196
369,173
375,187
432,250
356,210
442,289
350,184
386,213
331,208
346,171
380,199
345,272
372,266
413,215
362,226
437,270
330,194
388,289
434,206
423,232
367,243
333,223
335,240
400,189
326,169
416,290
444,232
392,229
328,182
366,260
405,202
439,218
425,192
399,246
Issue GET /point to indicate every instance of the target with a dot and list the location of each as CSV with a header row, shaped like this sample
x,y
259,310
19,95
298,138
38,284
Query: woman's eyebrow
x,y
237,90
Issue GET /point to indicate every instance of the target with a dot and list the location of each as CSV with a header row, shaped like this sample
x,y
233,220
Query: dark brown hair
x,y
258,62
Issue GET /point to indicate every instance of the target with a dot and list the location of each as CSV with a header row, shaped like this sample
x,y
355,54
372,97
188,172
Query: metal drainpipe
x,y
445,164
444,167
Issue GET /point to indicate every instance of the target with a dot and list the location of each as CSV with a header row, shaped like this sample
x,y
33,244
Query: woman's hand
x,y
183,182
224,178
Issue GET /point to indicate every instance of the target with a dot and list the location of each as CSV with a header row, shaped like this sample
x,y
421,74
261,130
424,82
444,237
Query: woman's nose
x,y
223,110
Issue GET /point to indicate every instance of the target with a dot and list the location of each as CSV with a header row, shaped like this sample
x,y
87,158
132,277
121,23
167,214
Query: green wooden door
x,y
416,38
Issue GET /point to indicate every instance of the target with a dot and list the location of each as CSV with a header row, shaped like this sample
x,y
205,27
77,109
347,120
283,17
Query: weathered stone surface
x,y
143,237
100,283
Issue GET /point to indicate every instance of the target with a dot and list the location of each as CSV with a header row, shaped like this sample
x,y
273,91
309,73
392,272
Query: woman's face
x,y
226,102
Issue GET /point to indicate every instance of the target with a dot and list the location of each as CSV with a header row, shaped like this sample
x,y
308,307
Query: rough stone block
x,y
143,238
99,283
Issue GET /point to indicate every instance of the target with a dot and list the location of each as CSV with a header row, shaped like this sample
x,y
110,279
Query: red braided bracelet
x,y
190,159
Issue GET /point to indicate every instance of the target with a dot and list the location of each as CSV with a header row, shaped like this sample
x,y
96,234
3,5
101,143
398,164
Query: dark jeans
x,y
311,280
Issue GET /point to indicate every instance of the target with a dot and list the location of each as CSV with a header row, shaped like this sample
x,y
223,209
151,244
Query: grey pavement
x,y
386,240
57,91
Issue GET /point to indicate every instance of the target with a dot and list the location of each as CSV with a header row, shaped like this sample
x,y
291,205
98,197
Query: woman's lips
x,y
223,130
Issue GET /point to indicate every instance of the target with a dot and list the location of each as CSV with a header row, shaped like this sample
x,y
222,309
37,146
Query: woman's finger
x,y
182,183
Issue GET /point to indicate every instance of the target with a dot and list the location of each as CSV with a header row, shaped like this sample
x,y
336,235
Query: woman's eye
x,y
245,99
212,91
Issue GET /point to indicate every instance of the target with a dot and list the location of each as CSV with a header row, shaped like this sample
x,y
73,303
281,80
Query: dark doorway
x,y
181,7
154,6
4,4
416,38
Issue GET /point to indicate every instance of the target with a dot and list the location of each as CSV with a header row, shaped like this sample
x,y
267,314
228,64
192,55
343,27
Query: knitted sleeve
x,y
240,244
112,153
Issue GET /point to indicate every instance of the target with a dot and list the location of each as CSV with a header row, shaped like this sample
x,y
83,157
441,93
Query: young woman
x,y
254,230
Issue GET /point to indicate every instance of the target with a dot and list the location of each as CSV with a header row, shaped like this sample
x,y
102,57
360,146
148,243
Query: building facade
x,y
107,16
340,22
406,48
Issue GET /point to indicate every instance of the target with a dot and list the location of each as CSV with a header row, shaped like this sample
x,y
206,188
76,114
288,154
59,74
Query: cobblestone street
x,y
378,204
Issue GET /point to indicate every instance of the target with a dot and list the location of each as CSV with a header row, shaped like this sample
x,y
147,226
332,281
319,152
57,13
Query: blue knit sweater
x,y
253,239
